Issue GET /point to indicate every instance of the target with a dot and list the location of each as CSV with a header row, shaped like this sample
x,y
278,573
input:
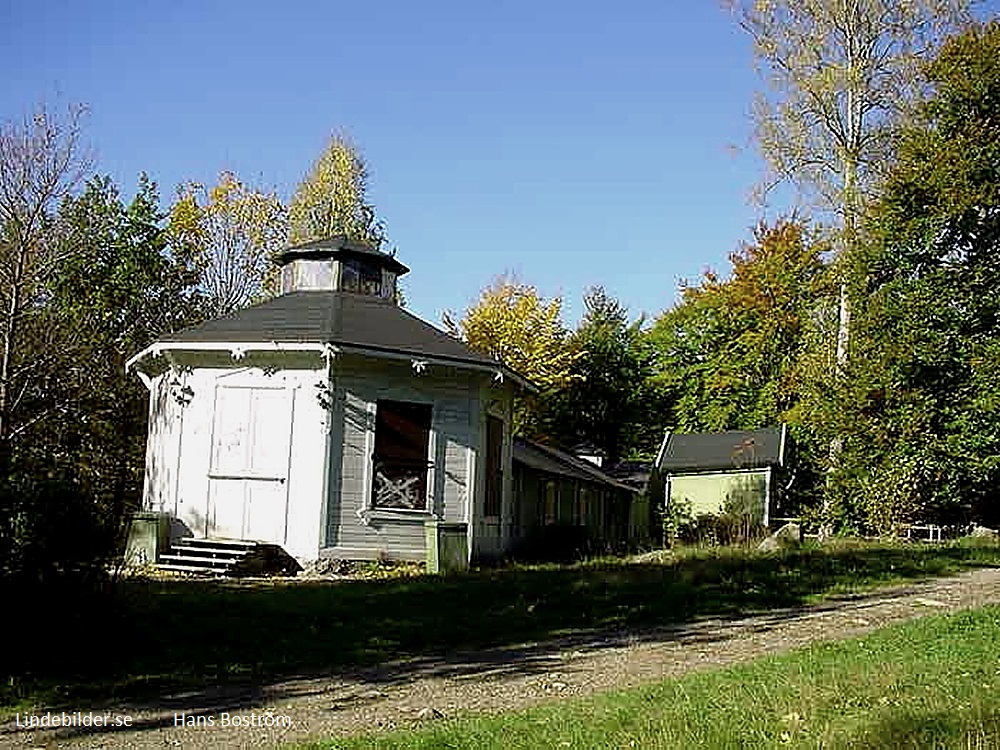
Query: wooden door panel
x,y
226,507
265,511
248,475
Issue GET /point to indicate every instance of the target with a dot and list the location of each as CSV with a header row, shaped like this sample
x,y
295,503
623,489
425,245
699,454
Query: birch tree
x,y
332,199
838,74
42,158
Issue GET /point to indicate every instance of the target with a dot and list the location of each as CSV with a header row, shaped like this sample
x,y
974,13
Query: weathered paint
x,y
493,536
219,470
354,528
278,447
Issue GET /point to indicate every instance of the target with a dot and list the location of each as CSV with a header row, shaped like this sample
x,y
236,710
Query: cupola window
x,y
360,277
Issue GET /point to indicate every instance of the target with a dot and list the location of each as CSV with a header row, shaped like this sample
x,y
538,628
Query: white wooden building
x,y
329,420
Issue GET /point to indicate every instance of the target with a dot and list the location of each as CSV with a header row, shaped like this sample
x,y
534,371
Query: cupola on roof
x,y
339,264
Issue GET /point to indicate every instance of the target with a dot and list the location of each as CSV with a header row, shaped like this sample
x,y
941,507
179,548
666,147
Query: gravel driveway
x,y
401,694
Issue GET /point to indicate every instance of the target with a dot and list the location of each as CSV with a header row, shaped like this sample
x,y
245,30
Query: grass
x,y
155,636
931,683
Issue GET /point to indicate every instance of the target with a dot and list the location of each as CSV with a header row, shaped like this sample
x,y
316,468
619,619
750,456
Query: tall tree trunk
x,y
848,251
7,363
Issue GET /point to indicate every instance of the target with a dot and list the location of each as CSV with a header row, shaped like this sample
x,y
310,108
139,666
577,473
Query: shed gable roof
x,y
719,451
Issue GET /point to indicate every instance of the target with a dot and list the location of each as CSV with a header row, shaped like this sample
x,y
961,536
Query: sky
x,y
572,144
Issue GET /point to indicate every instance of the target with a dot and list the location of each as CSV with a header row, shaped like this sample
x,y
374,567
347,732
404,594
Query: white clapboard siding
x,y
284,454
163,446
244,457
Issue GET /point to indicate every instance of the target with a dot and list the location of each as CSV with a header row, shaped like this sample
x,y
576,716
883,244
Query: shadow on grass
x,y
918,730
153,638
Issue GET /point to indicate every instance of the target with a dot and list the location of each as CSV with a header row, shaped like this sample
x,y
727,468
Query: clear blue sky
x,y
572,143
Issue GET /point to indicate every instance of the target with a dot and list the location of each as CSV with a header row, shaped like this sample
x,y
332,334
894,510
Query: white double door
x,y
248,473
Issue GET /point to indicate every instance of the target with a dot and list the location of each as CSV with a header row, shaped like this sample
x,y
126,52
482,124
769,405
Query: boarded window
x,y
402,433
494,467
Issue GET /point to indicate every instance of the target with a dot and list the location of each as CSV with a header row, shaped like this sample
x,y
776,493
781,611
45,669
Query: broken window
x,y
402,434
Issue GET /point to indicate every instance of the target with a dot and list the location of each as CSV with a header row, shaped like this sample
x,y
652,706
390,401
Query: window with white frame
x,y
400,465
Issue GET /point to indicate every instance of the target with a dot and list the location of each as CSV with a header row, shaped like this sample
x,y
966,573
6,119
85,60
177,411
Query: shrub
x,y
720,529
52,534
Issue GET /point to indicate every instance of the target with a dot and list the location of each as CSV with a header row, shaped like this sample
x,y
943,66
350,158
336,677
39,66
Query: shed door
x,y
248,478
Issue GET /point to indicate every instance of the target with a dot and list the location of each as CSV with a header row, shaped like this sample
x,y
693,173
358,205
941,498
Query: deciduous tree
x,y
514,324
333,199
839,74
926,386
78,468
728,352
232,232
42,158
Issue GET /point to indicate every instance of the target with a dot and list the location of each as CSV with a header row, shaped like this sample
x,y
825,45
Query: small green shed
x,y
733,472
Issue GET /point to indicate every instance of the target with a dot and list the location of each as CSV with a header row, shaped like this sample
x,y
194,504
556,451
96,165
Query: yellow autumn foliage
x,y
231,231
331,199
513,324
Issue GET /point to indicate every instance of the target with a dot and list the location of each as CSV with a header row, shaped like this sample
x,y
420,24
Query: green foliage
x,y
924,397
675,515
51,535
839,76
727,354
606,402
77,468
332,199
736,524
115,294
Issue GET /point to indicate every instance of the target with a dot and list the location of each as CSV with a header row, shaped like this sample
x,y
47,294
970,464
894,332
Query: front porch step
x,y
227,557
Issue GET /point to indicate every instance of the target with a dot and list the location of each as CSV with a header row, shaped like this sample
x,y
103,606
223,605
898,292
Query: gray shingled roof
x,y
330,317
552,461
738,449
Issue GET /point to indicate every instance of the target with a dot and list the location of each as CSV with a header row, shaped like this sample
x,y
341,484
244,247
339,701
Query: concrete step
x,y
222,545
211,562
189,569
215,554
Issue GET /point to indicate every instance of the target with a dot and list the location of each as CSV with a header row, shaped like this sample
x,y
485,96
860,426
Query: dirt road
x,y
426,690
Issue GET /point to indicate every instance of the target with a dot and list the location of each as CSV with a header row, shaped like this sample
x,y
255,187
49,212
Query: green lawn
x,y
152,636
931,683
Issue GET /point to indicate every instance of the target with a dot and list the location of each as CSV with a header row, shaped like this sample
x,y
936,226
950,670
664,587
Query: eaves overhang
x,y
418,362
